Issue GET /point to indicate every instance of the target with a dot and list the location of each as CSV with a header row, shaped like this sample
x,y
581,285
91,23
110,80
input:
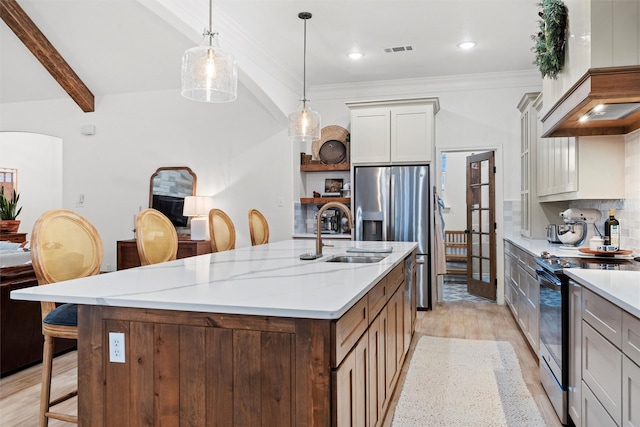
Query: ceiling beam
x,y
27,31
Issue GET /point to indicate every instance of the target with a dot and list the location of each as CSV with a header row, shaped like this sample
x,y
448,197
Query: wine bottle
x,y
612,230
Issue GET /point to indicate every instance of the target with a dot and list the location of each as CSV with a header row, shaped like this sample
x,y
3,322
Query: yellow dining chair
x,y
156,237
64,246
222,232
258,228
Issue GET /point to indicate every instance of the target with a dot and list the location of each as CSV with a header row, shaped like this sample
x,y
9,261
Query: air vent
x,y
398,49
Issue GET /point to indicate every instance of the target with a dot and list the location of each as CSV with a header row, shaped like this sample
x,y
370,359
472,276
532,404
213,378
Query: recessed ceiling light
x,y
355,55
466,45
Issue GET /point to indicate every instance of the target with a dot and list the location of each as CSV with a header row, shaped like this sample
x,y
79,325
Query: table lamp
x,y
198,207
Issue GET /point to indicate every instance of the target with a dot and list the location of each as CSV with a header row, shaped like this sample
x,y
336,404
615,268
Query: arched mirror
x,y
169,186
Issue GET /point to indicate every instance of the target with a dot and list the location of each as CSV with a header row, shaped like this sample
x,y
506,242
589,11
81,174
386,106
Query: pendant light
x,y
209,74
304,123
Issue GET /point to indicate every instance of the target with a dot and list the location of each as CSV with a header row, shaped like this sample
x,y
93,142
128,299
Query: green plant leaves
x,y
9,207
550,40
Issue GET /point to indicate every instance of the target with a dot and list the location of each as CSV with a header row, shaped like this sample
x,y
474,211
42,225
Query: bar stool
x,y
64,246
156,237
222,232
258,228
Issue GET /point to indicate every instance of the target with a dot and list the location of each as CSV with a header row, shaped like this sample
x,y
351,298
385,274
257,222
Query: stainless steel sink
x,y
365,259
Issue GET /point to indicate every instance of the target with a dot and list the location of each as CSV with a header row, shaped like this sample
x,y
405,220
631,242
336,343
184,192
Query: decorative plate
x,y
333,152
605,253
330,133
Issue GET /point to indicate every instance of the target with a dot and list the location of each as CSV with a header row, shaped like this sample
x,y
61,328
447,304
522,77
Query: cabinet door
x,y
412,132
351,387
391,341
377,379
575,353
602,370
630,393
593,413
370,135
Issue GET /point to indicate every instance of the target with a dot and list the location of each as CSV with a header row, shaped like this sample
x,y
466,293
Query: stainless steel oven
x,y
554,333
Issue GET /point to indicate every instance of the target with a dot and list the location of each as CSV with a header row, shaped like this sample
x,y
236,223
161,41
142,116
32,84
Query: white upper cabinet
x,y
397,131
582,168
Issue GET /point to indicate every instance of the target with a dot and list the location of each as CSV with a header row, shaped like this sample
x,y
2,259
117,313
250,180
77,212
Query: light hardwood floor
x,y
19,393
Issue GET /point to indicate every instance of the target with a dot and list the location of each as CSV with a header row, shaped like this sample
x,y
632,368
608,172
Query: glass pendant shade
x,y
209,74
304,124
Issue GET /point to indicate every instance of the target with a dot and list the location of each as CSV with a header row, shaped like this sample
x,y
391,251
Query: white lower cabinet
x,y
575,353
630,393
521,284
610,373
602,370
593,413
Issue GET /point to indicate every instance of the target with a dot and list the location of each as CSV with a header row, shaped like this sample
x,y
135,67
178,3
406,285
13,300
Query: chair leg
x,y
45,391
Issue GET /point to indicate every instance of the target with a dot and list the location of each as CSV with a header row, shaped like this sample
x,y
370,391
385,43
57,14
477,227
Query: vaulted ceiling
x,y
136,45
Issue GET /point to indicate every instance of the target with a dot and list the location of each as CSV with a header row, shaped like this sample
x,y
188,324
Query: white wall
x,y
38,159
239,152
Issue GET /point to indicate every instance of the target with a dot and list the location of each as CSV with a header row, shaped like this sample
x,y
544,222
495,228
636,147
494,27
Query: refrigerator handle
x,y
392,213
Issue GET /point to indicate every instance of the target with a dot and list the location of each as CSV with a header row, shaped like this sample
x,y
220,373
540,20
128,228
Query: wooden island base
x,y
189,368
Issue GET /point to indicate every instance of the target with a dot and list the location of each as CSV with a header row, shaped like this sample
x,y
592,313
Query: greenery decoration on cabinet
x,y
550,40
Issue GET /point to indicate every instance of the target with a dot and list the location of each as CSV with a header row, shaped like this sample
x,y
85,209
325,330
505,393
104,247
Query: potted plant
x,y
9,211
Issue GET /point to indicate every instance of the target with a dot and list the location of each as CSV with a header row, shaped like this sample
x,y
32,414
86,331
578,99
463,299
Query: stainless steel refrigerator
x,y
392,203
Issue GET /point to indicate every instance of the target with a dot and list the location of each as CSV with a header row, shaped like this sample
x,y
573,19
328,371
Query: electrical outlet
x,y
116,347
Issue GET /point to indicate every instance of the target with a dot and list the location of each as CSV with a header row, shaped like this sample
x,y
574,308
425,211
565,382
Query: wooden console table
x,y
14,237
128,251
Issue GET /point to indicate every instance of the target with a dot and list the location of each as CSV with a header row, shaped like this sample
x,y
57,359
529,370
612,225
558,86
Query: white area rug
x,y
457,382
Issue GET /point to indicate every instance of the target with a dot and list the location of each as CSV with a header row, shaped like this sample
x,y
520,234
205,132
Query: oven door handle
x,y
548,280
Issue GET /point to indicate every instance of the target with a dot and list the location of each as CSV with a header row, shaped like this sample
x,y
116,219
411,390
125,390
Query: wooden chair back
x,y
222,232
64,246
156,237
258,228
455,247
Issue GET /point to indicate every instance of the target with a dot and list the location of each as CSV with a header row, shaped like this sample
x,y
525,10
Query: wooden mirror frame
x,y
169,169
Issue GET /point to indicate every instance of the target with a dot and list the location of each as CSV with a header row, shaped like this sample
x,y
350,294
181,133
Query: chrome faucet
x,y
341,206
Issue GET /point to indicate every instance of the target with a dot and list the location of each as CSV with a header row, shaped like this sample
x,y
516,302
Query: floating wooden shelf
x,y
321,167
323,200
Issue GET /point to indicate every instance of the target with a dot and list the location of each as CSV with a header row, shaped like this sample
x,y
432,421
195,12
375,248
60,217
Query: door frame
x,y
499,199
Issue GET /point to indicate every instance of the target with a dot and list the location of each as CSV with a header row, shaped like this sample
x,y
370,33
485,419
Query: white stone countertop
x,y
620,287
536,246
266,280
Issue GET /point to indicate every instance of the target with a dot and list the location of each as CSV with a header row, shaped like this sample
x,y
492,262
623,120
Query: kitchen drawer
x,y
604,316
508,248
593,413
631,338
529,263
395,278
602,370
347,330
378,297
630,393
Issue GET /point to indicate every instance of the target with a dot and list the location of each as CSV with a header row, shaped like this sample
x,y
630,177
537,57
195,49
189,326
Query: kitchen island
x,y
253,336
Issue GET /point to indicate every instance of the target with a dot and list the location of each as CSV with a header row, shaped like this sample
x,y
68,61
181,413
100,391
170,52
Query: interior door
x,y
481,225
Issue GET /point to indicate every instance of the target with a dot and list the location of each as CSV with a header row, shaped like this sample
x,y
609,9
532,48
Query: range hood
x,y
605,101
